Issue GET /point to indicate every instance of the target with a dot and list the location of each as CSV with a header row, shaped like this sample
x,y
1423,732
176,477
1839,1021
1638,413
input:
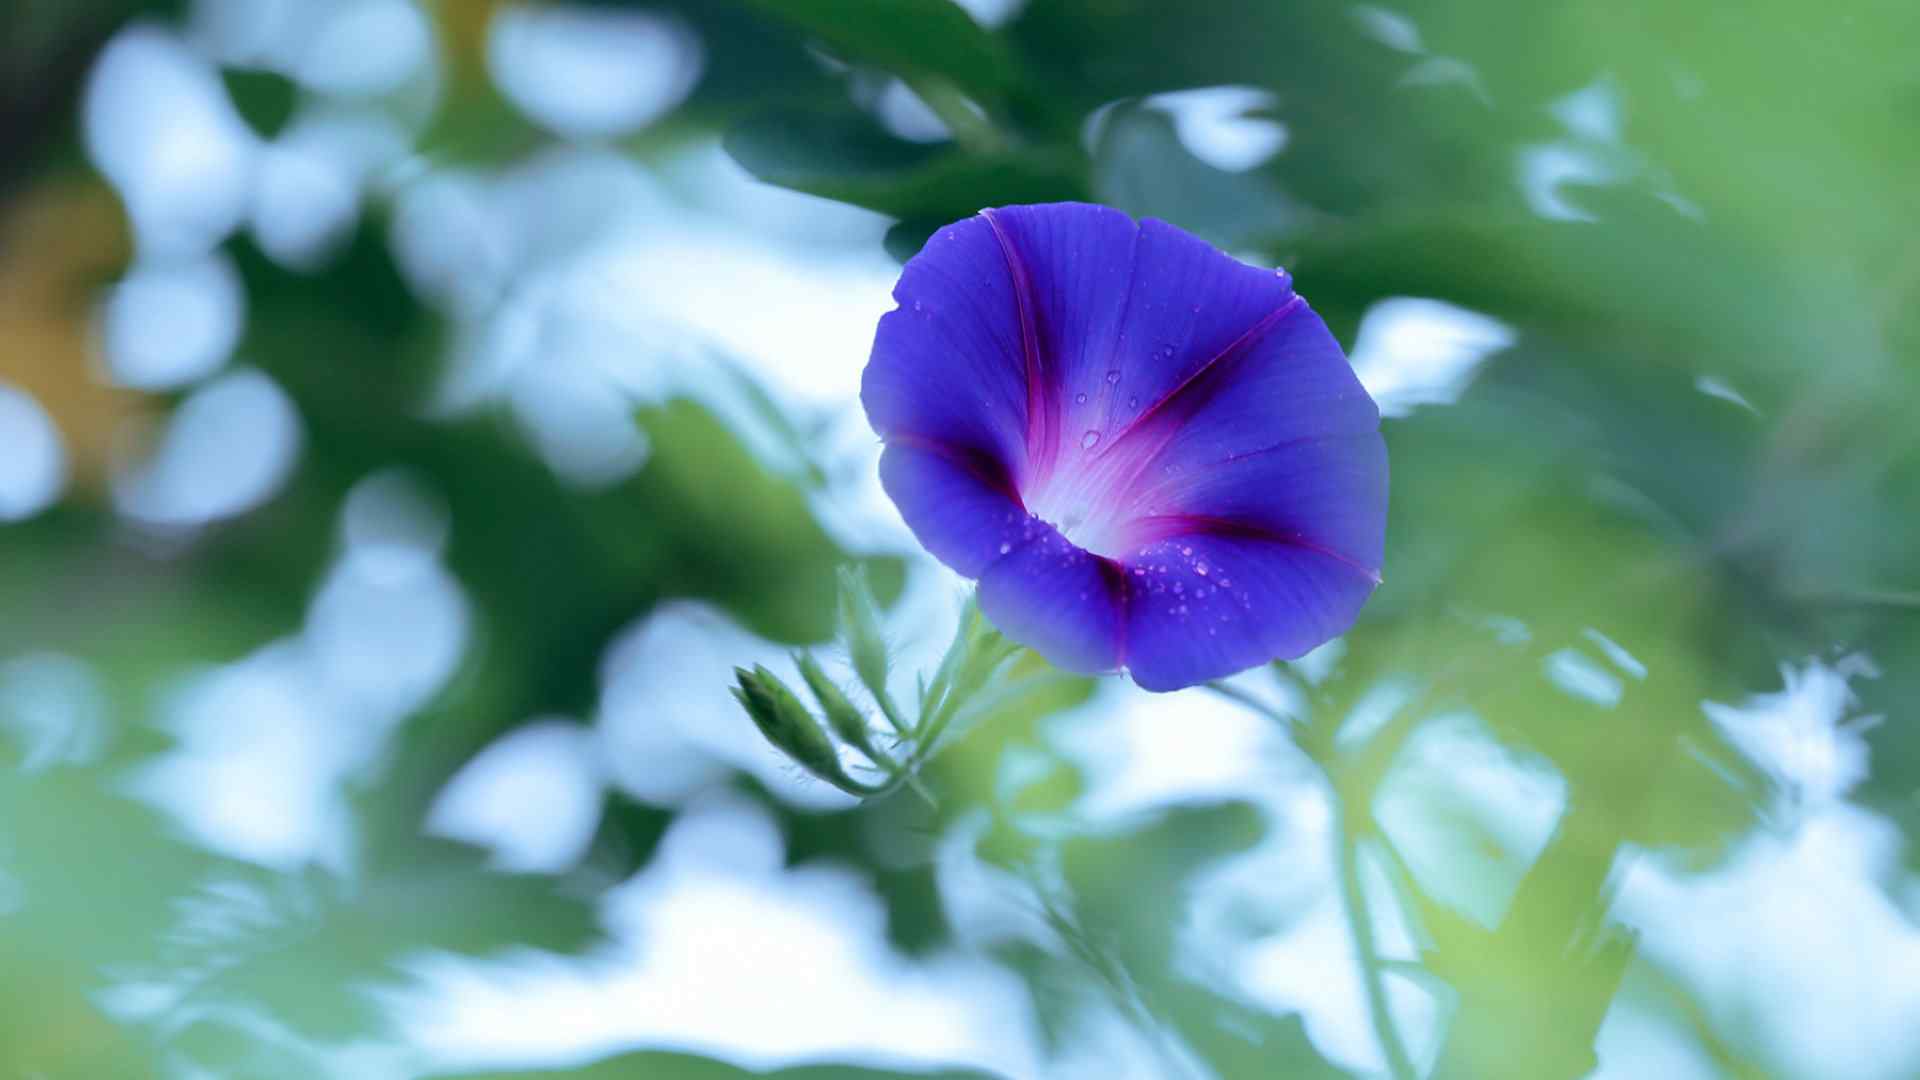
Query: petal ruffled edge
x,y
1205,607
1058,600
960,506
948,364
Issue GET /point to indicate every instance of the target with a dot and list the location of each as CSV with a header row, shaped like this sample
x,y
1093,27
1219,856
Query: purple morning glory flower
x,y
1152,456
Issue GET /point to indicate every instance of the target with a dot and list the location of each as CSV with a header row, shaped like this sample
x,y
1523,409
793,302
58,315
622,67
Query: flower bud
x,y
843,717
790,727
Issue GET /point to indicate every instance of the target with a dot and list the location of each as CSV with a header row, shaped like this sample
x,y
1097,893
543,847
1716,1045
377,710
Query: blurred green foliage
x,y
1751,222
648,1066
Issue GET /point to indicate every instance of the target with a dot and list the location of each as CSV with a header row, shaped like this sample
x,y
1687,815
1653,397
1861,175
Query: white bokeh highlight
x,y
169,323
671,728
363,48
266,744
532,797
717,930
312,179
1413,352
158,124
33,457
592,72
1220,125
226,449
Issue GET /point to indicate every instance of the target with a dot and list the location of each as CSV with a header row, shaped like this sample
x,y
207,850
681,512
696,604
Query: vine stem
x,y
1353,896
971,129
1360,923
1248,701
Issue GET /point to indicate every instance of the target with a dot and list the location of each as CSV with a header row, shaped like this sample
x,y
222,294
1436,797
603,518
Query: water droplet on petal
x,y
1089,440
1113,376
1079,399
1005,547
1133,402
1186,551
1200,568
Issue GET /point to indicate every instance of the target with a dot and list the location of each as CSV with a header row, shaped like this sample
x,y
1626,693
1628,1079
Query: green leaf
x,y
907,37
737,532
309,946
861,633
1141,167
843,154
1130,891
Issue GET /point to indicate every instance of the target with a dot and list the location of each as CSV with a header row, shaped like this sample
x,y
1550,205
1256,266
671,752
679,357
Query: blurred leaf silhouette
x,y
664,1066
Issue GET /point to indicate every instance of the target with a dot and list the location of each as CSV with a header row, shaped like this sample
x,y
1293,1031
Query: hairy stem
x,y
892,713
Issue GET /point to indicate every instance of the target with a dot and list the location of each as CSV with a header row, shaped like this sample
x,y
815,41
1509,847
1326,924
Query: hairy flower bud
x,y
790,727
846,720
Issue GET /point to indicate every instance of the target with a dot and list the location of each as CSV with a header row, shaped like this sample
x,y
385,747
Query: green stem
x,y
1360,922
1241,697
1560,911
971,129
927,737
1886,598
1353,896
892,712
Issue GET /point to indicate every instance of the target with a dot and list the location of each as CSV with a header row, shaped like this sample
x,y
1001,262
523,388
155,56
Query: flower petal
x,y
1326,493
1059,601
1287,381
1126,313
1204,607
948,363
959,507
1059,371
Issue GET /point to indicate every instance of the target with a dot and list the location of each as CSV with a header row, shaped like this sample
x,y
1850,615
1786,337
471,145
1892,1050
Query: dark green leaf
x,y
845,155
908,37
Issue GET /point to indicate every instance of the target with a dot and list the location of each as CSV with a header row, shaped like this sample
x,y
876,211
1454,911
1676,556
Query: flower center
x,y
1086,499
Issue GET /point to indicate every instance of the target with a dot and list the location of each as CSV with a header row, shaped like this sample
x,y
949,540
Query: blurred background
x,y
410,412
